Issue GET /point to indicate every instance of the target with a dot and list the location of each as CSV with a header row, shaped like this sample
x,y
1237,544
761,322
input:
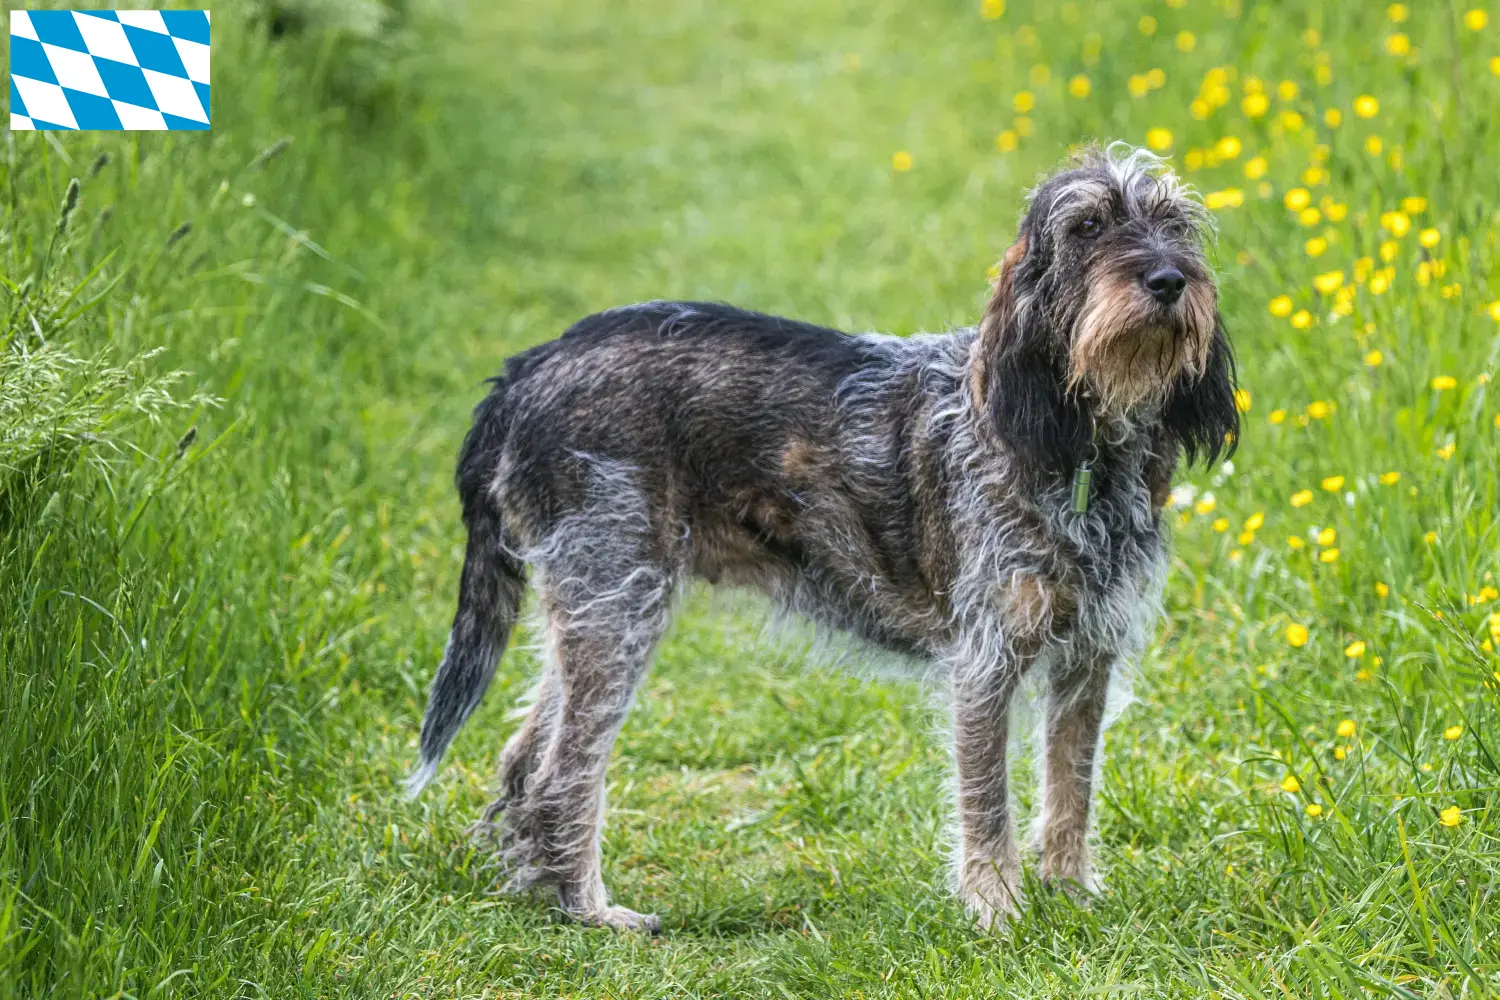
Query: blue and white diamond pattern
x,y
109,69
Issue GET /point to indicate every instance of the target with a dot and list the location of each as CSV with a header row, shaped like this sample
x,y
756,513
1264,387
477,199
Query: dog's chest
x,y
1064,571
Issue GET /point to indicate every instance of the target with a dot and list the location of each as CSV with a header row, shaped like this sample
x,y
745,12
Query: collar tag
x,y
1082,479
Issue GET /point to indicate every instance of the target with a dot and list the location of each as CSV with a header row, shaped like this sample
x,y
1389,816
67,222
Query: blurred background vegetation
x,y
235,368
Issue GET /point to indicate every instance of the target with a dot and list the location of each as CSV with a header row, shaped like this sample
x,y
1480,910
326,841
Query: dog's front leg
x,y
1076,698
988,872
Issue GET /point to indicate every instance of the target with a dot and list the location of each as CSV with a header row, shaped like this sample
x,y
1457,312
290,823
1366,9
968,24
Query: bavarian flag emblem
x,y
109,69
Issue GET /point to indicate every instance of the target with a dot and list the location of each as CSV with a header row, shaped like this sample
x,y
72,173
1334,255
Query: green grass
x,y
214,651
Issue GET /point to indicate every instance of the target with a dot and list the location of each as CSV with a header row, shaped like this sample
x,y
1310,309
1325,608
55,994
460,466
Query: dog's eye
x,y
1090,226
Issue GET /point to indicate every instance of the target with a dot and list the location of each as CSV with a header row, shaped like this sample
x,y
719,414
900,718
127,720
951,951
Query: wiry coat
x,y
915,491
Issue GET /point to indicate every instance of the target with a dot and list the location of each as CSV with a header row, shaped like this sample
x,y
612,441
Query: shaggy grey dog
x,y
988,500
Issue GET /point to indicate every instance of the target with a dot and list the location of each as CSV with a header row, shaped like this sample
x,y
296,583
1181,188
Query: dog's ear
x,y
1017,375
1201,414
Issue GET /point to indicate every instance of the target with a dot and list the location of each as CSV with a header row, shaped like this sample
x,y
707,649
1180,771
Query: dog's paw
x,y
621,919
1081,889
992,900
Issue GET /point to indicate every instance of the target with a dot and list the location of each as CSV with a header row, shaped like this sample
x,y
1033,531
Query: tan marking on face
x,y
1125,355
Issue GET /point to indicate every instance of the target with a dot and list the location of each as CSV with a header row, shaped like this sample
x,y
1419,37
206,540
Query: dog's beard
x,y
1129,351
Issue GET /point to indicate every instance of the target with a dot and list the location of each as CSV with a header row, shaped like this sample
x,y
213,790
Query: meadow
x,y
235,368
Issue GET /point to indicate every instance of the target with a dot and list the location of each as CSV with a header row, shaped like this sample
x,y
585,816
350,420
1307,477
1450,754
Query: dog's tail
x,y
489,594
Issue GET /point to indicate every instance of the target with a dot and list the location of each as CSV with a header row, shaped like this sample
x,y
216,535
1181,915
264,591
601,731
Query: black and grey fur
x,y
913,491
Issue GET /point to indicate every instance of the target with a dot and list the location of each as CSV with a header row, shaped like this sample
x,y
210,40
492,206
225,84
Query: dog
x,y
987,500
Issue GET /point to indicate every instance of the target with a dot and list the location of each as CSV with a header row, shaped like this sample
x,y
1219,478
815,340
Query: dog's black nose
x,y
1166,284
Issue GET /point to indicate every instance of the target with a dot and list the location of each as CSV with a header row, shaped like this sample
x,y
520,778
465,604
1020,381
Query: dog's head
x,y
1106,308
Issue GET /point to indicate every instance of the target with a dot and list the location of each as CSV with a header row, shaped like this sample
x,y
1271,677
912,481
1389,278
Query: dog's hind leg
x,y
523,751
602,634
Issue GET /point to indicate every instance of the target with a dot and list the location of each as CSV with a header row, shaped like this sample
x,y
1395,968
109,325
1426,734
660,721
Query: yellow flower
x,y
1281,306
1242,400
1327,536
1291,121
1024,101
1346,728
1494,310
1227,198
1495,65
1476,19
1328,555
1147,25
1429,237
1390,478
1333,484
1309,216
1297,199
1138,85
1333,117
1398,44
1396,12
1381,590
1080,86
1452,733
1366,106
1007,141
1430,537
1328,282
1185,41
1255,105
1277,416
1295,543
1399,223
1246,537
1206,505
1290,782
1159,139
1444,382
1318,409
1339,753
1446,451
1452,816
1301,319
1301,498
1256,167
992,9
1388,250
1221,524
1374,358
1336,210
1228,147
1414,205
901,161
1254,521
1314,810
1315,246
